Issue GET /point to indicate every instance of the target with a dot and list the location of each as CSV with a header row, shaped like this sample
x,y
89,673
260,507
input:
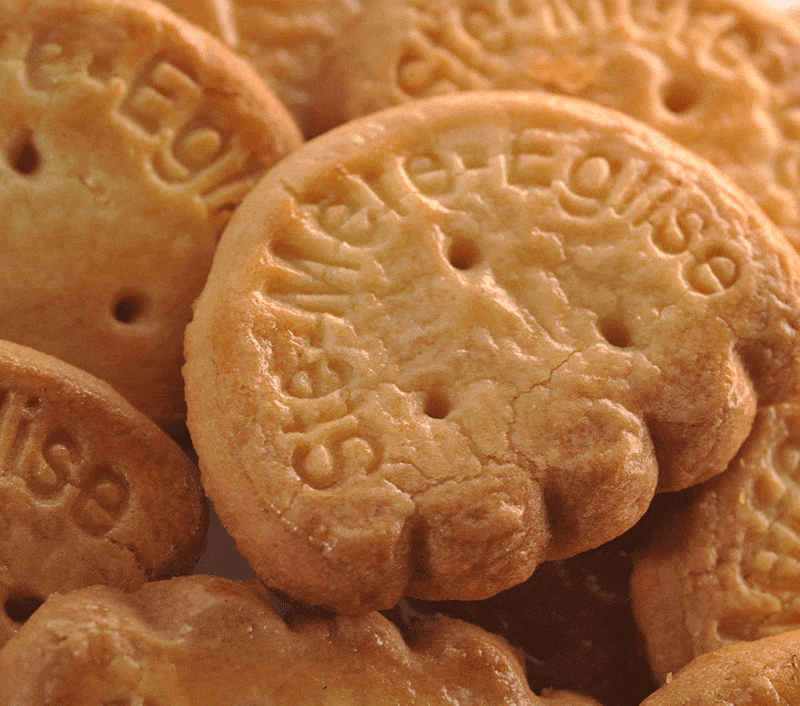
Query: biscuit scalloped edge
x,y
188,641
278,269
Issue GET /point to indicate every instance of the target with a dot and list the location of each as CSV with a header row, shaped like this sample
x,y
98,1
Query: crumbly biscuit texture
x,y
128,137
92,491
446,342
717,76
723,567
205,640
284,40
765,672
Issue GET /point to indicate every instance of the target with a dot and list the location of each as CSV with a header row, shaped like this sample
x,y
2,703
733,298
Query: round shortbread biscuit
x,y
127,138
91,490
205,640
718,76
448,341
283,40
724,565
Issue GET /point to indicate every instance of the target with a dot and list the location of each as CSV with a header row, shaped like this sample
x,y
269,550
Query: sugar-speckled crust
x,y
127,138
283,40
91,490
206,640
765,672
724,566
446,342
718,76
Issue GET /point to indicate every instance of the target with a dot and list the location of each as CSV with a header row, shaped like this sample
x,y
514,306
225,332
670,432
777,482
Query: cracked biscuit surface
x,y
91,490
127,138
206,640
446,342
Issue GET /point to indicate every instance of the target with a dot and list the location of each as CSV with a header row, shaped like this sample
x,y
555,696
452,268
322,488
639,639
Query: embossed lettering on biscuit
x,y
128,138
725,567
470,338
92,491
285,42
681,66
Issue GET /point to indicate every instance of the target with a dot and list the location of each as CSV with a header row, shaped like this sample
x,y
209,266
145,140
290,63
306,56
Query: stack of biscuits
x,y
476,324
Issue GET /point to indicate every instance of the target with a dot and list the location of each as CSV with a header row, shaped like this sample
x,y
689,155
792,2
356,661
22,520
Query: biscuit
x,y
718,76
446,342
571,621
761,673
205,640
127,138
724,566
284,40
91,490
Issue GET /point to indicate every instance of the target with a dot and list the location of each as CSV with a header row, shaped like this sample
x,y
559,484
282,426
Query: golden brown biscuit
x,y
444,343
725,565
91,490
761,673
571,621
284,40
127,138
718,76
205,640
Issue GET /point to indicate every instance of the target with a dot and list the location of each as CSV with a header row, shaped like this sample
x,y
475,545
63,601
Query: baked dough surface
x,y
446,342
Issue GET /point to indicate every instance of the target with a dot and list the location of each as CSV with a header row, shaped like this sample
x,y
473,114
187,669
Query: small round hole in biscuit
x,y
22,154
129,307
463,254
437,404
21,605
680,97
615,332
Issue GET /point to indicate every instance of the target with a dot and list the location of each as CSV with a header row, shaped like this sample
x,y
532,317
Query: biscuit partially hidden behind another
x,y
283,40
717,76
206,641
765,672
127,138
91,490
448,341
723,566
